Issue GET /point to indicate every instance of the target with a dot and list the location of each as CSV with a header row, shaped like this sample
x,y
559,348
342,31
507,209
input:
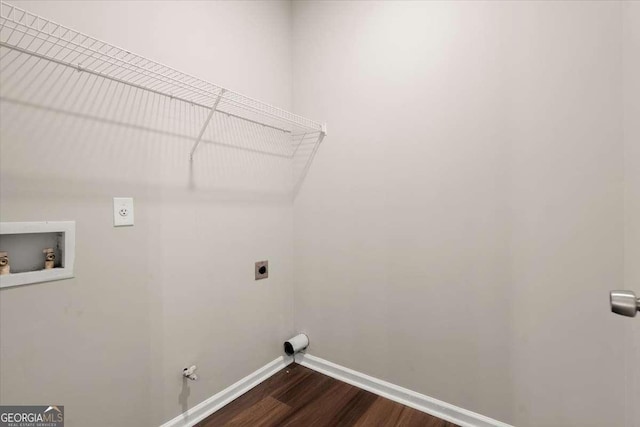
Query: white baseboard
x,y
435,407
218,400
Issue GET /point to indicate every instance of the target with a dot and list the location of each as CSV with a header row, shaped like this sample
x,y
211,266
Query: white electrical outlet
x,y
122,211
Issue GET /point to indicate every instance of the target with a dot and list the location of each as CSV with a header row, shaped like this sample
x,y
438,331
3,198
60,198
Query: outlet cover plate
x,y
122,211
262,270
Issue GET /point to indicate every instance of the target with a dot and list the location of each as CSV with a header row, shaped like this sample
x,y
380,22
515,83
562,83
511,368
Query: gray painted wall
x,y
178,287
471,187
460,230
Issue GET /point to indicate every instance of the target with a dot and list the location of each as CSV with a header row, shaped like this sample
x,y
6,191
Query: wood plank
x,y
354,409
382,413
386,413
304,392
284,379
266,412
298,396
319,410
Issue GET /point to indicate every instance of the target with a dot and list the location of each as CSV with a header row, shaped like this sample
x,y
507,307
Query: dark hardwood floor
x,y
298,396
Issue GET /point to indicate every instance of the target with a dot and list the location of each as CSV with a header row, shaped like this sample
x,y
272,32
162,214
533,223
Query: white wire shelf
x,y
46,65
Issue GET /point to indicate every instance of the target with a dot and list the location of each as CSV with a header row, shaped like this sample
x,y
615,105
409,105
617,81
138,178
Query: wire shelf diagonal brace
x,y
206,123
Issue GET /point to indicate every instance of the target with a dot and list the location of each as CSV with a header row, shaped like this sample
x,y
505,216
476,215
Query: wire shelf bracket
x,y
204,126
